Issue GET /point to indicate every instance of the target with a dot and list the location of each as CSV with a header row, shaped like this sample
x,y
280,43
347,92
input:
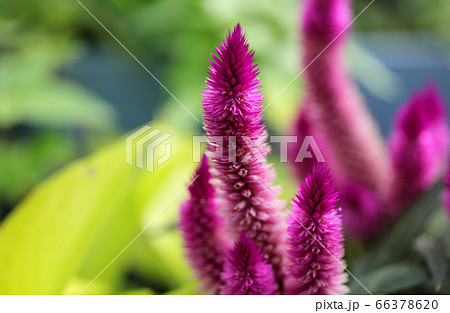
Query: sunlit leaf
x,y
55,231
190,288
140,291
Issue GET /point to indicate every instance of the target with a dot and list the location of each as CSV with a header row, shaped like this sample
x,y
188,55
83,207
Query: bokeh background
x,y
69,93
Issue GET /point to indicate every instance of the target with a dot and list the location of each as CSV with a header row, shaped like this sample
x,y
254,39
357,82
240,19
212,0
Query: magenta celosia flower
x,y
232,117
201,228
419,146
356,152
246,272
364,218
315,240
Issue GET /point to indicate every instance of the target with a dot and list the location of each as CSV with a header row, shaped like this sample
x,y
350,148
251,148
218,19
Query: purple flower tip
x,y
419,146
315,240
231,95
318,195
246,272
422,110
325,20
201,228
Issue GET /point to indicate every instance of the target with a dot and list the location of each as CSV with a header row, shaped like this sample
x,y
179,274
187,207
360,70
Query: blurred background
x,y
68,90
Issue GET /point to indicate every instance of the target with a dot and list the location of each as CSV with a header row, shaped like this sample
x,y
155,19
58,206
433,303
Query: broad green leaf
x,y
31,92
392,245
438,224
24,162
55,104
77,284
140,292
52,236
44,239
191,288
432,253
390,279
445,289
446,242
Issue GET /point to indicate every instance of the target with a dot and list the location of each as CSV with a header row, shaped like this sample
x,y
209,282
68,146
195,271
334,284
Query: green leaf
x,y
436,261
50,238
191,288
446,242
140,291
32,93
438,224
390,279
391,246
23,163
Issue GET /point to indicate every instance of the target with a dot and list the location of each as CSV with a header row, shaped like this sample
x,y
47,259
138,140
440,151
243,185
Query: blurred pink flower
x,y
201,229
419,146
334,113
363,212
352,137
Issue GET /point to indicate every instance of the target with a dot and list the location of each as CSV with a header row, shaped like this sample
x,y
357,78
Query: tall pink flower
x,y
419,146
246,271
334,113
201,229
315,240
232,118
356,150
363,212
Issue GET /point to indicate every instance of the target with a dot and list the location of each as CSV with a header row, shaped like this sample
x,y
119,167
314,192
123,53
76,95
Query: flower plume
x,y
419,146
201,228
315,240
353,139
232,119
246,272
342,125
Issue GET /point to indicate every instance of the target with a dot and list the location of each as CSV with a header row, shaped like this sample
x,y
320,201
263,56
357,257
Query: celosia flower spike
x,y
334,113
232,117
353,140
201,228
246,272
315,240
419,146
